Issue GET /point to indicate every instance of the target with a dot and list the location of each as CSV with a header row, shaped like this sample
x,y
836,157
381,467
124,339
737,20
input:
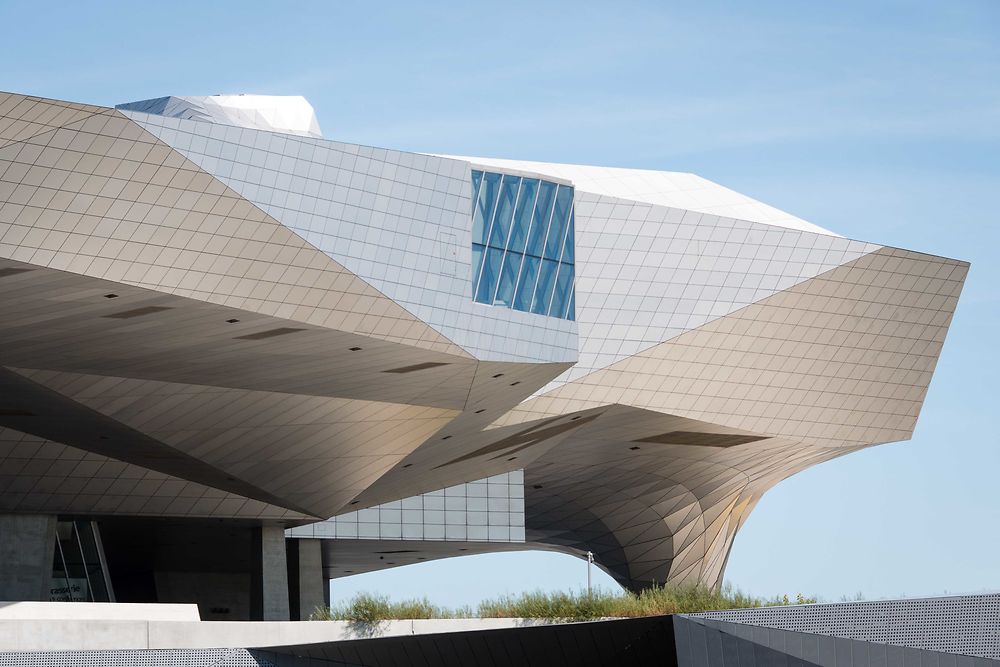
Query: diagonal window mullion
x,y
527,239
513,221
548,228
559,262
489,230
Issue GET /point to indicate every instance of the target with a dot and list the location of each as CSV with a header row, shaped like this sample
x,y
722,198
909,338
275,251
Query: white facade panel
x,y
489,509
401,221
648,273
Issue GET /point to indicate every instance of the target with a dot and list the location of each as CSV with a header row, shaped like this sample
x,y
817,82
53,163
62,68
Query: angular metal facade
x,y
204,317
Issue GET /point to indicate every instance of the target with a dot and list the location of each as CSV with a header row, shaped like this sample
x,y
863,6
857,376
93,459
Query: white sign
x,y
68,590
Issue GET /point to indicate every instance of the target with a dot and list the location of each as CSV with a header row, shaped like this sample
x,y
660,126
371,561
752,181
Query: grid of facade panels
x,y
398,220
523,244
486,510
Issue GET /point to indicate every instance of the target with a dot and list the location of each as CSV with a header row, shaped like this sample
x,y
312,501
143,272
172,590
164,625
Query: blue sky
x,y
879,120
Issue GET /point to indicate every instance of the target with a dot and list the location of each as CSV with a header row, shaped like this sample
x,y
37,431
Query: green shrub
x,y
365,609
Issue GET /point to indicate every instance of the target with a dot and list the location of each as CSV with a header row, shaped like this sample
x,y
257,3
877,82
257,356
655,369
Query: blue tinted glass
x,y
560,218
508,276
569,247
521,229
484,207
522,215
477,265
505,210
526,284
560,296
540,220
543,292
491,271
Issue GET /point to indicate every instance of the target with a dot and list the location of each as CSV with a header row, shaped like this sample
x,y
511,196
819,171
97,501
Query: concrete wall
x,y
92,634
269,572
27,545
306,582
233,571
221,596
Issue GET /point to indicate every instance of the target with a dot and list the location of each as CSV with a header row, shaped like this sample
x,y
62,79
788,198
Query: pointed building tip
x,y
290,114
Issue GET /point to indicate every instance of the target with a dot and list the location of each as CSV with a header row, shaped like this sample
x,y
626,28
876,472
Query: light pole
x,y
590,561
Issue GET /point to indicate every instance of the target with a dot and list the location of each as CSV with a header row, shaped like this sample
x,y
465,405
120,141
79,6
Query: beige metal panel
x,y
64,322
311,452
22,116
107,199
30,407
58,320
38,475
444,460
841,359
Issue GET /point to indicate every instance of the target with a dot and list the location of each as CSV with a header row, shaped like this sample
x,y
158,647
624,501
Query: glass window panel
x,y
522,216
477,265
540,220
526,284
484,207
560,296
505,210
560,218
571,310
569,246
491,271
543,292
508,276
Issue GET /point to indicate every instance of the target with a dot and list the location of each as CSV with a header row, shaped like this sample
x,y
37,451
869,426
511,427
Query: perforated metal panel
x,y
966,624
215,657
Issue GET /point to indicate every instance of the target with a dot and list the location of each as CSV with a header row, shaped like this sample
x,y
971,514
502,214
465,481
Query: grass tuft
x,y
365,608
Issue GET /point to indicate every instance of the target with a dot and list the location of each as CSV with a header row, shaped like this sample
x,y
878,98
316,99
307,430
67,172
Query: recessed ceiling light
x,y
514,384
446,437
407,465
416,367
270,333
232,321
498,375
633,448
110,296
137,312
480,411
354,349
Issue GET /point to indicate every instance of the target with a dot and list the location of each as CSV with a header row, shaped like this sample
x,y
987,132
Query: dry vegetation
x,y
365,608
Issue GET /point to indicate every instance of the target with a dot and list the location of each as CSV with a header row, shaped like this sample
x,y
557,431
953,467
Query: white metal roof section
x,y
665,188
289,114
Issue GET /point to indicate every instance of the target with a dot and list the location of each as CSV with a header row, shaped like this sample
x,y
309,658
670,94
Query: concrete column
x,y
27,546
305,577
269,574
